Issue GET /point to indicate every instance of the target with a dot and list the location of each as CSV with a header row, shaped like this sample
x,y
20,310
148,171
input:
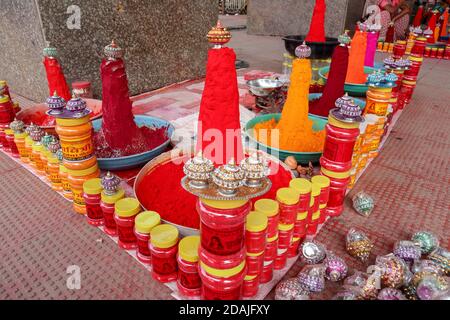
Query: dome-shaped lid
x,y
112,51
303,51
56,104
110,183
17,126
218,35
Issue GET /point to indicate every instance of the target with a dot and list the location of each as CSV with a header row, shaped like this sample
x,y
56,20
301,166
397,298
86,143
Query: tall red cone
x,y
219,128
418,18
55,75
334,87
433,20
317,27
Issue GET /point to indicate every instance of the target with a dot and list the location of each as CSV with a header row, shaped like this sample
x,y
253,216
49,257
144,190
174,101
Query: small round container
x,y
267,272
189,282
280,260
92,190
64,175
125,212
36,161
312,227
251,286
255,232
255,263
338,188
107,205
19,140
339,142
164,248
324,184
323,213
9,136
222,226
300,224
303,187
53,168
293,248
288,200
285,233
143,225
76,179
82,89
271,209
271,249
222,284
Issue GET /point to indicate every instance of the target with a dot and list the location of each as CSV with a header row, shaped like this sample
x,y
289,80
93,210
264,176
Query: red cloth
x,y
335,83
418,18
118,125
219,109
55,78
432,21
317,26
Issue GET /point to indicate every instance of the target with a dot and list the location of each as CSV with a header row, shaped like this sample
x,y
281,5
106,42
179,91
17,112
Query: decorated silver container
x,y
17,126
31,127
55,104
312,278
255,170
441,257
313,252
303,51
407,250
358,244
198,170
110,183
390,294
37,134
228,178
112,51
393,271
291,289
335,268
427,241
365,284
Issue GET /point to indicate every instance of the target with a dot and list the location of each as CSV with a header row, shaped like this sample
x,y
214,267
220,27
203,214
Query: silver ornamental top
x,y
313,252
342,101
56,104
54,146
303,51
254,167
76,105
36,135
17,126
113,51
50,51
344,39
110,183
46,139
59,155
348,111
198,168
229,176
31,128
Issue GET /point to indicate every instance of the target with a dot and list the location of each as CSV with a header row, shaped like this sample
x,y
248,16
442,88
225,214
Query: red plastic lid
x,y
221,262
81,84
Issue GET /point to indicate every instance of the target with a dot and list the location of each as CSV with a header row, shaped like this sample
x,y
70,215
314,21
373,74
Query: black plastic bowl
x,y
319,50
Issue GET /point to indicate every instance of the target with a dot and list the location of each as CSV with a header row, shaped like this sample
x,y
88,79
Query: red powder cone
x,y
390,33
317,26
355,71
219,110
334,88
55,78
418,18
433,20
444,23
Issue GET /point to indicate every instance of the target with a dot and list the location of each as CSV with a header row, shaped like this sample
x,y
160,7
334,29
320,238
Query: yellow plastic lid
x,y
82,173
315,190
223,273
295,239
146,221
163,236
285,227
301,185
21,135
72,122
335,122
311,202
250,278
127,207
321,181
302,215
315,215
336,175
322,206
38,147
92,186
224,204
188,248
111,199
268,206
28,140
9,131
287,196
4,99
62,168
256,221
275,238
255,254
53,159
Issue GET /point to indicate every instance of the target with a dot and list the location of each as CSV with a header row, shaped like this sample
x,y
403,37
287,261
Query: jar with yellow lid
x,y
303,187
36,160
143,225
312,227
301,224
188,281
255,263
288,200
378,99
92,190
256,232
64,175
76,179
323,183
11,145
110,195
125,212
285,233
53,168
164,248
293,247
19,139
271,209
250,286
271,248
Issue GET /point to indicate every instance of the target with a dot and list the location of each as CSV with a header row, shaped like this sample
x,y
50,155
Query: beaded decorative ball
x,y
335,268
255,170
390,294
441,257
112,51
312,278
218,35
110,183
17,126
198,170
427,241
291,289
363,203
358,244
407,250
313,252
393,270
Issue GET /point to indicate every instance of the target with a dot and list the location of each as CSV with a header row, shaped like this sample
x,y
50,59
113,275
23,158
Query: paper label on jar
x,y
164,265
222,242
77,150
78,197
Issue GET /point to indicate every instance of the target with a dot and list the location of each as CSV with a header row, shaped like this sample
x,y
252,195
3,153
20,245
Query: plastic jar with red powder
x,y
251,286
323,213
301,224
255,263
288,200
285,233
189,282
339,182
312,227
143,225
267,272
293,248
303,187
222,226
9,136
107,205
323,183
271,248
271,209
125,211
281,258
339,142
255,232
164,248
92,190
222,284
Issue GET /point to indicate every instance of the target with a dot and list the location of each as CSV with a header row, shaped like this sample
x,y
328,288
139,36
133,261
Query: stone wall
x,y
164,41
292,17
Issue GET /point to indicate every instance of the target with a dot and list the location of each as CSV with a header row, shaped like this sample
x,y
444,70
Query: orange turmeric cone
x,y
444,23
355,71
